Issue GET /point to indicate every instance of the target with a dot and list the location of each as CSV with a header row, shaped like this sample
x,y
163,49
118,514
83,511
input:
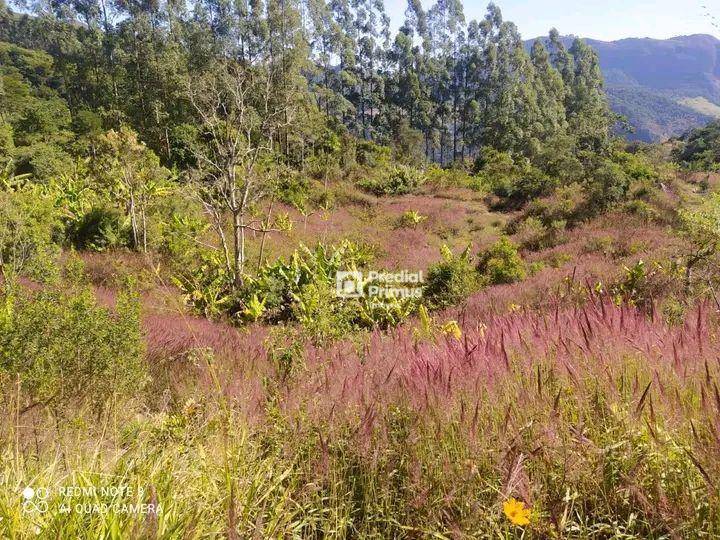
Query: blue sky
x,y
605,20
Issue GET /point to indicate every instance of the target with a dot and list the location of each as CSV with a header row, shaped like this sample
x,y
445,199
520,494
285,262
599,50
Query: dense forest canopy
x,y
442,88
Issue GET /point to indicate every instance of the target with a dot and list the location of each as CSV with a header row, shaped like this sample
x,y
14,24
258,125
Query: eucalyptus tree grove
x,y
443,87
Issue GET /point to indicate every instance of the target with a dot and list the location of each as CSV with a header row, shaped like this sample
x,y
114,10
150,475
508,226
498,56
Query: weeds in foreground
x,y
603,424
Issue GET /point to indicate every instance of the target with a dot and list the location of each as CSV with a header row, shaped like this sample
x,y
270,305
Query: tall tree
x,y
550,91
134,175
511,107
446,22
588,110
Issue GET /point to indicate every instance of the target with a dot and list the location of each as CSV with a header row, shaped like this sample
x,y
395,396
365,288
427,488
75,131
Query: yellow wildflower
x,y
451,328
516,512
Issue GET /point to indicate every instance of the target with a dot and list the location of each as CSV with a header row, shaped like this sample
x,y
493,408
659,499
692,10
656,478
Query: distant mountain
x,y
663,86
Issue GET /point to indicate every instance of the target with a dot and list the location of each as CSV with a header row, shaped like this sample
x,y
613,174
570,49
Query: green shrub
x,y
280,284
67,350
531,233
399,180
370,154
43,160
29,224
515,181
674,310
632,287
556,259
450,281
453,177
567,203
641,284
607,185
324,162
407,142
208,288
7,145
636,165
604,245
556,233
180,232
386,314
556,158
535,267
501,263
699,149
97,230
321,315
411,218
529,184
493,163
641,209
292,189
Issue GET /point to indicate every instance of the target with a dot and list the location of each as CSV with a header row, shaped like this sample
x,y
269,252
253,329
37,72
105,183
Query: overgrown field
x,y
267,271
600,418
586,392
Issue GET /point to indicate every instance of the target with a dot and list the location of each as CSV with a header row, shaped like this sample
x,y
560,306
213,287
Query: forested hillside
x,y
663,86
270,271
441,88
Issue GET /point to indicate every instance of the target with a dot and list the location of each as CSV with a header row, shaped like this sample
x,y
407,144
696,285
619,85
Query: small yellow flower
x,y
451,328
516,512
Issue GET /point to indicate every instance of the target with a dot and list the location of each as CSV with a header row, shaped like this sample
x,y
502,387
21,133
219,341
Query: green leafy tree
x,y
550,95
588,111
701,227
134,175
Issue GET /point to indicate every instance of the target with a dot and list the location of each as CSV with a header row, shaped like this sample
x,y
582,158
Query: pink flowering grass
x,y
597,415
594,341
531,402
192,356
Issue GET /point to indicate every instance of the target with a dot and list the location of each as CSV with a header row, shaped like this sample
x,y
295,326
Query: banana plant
x,y
9,180
254,308
72,191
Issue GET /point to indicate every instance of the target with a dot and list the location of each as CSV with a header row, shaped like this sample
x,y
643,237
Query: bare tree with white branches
x,y
242,117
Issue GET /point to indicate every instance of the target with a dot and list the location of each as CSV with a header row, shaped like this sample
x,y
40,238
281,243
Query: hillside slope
x,y
663,87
